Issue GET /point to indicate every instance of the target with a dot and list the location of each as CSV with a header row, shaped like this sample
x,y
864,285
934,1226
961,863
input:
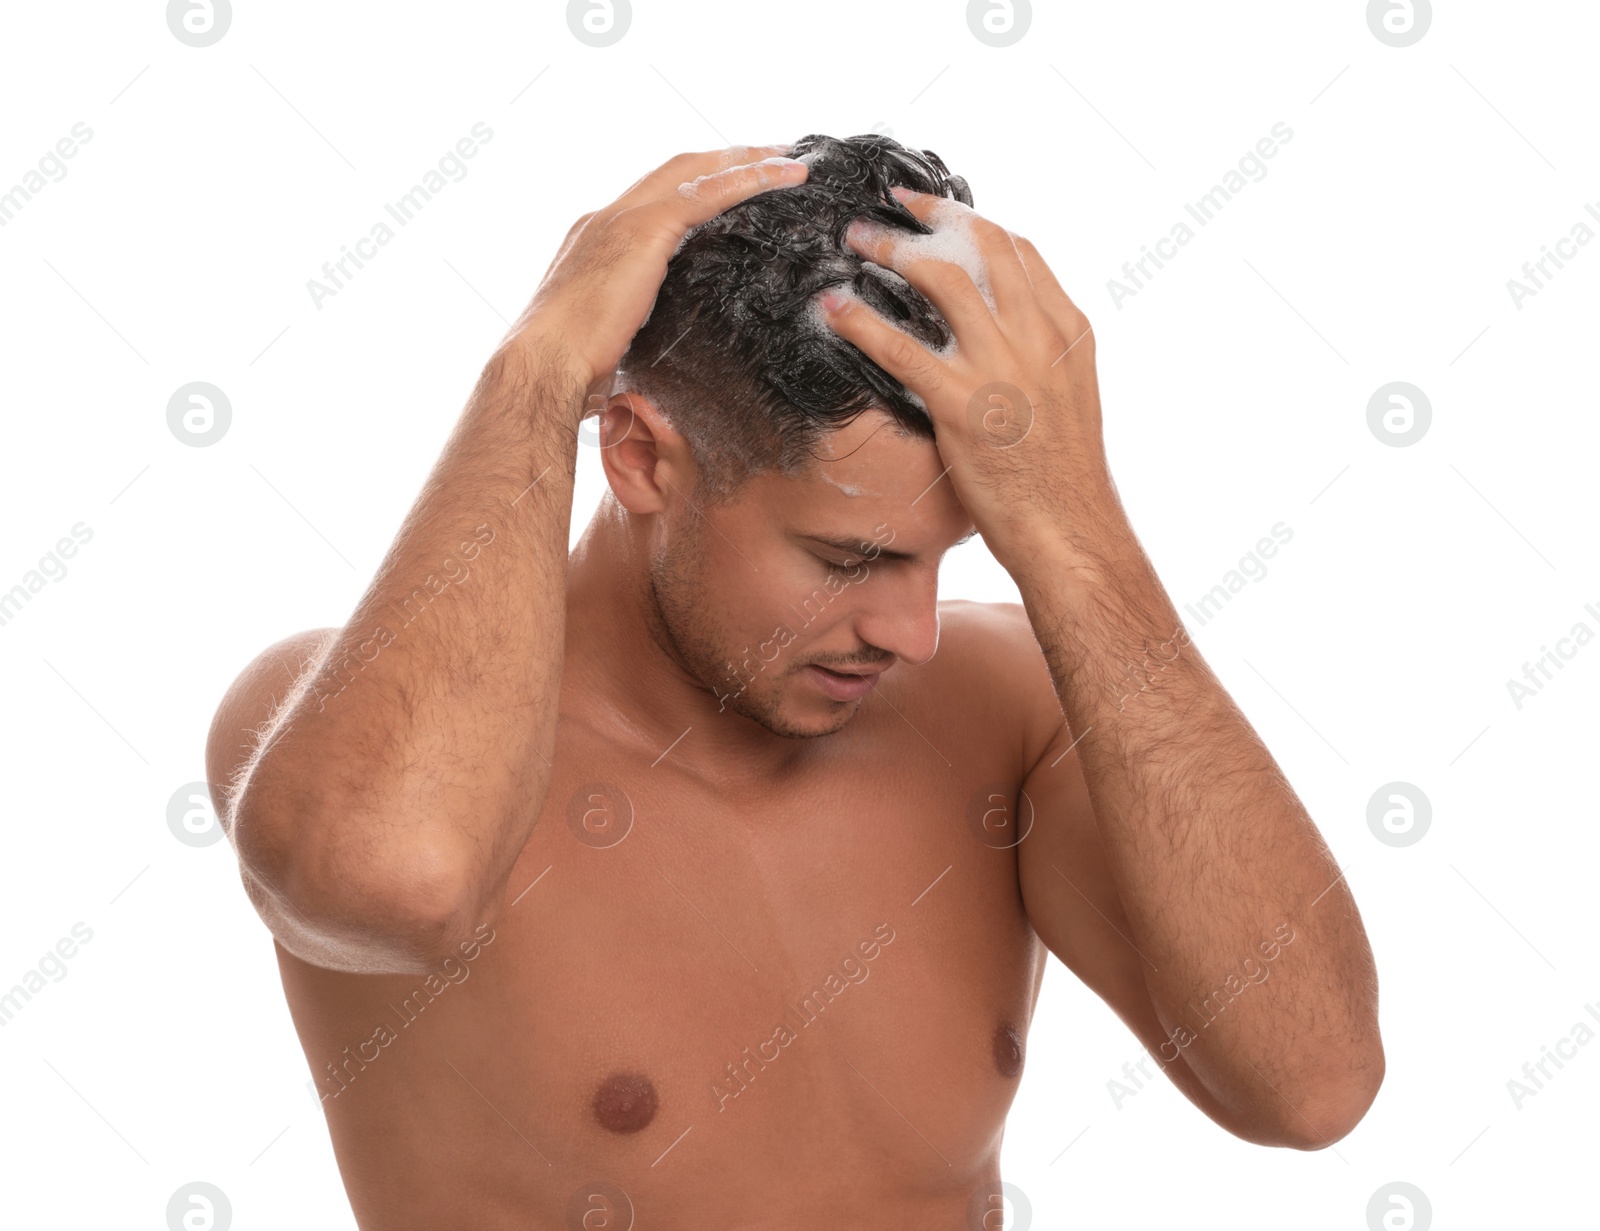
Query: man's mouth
x,y
844,685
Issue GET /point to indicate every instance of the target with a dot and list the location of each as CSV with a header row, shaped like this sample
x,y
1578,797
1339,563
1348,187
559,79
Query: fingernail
x,y
831,299
902,193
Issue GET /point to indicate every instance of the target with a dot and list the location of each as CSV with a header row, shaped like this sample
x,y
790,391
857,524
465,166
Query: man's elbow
x,y
401,913
1332,1114
378,933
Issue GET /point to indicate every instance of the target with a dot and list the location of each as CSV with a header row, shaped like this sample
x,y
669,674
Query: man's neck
x,y
619,657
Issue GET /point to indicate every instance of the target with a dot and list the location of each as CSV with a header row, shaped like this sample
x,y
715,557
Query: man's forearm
x,y
1211,851
1209,848
402,777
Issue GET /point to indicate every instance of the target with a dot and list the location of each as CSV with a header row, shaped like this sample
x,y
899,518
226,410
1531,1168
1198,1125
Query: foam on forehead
x,y
849,489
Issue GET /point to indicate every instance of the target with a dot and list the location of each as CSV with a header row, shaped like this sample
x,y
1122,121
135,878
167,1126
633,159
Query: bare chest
x,y
833,982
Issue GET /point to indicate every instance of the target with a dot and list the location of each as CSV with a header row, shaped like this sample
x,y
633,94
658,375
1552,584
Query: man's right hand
x,y
605,278
379,810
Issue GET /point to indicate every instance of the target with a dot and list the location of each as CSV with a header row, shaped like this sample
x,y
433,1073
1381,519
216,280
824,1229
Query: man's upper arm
x,y
1066,881
336,939
250,701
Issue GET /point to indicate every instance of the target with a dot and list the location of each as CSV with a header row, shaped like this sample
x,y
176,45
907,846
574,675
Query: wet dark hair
x,y
730,353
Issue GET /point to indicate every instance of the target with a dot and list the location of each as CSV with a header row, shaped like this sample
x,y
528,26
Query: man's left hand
x,y
1016,404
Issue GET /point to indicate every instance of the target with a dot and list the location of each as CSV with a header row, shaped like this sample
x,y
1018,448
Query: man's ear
x,y
644,456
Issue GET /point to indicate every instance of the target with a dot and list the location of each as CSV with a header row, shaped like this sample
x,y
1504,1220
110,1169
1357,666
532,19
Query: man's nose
x,y
904,616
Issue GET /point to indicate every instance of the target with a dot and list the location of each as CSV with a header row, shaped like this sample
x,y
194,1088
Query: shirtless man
x,y
678,882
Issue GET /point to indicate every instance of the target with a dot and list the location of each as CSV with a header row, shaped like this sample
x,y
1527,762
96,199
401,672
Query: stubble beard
x,y
683,629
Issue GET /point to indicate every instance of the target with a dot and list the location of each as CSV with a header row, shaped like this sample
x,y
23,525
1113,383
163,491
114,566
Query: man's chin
x,y
787,718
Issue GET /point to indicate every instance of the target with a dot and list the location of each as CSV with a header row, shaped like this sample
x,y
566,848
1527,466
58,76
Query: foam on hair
x,y
734,349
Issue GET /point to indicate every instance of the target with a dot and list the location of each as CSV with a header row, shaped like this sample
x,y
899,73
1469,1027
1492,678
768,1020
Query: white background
x,y
1377,648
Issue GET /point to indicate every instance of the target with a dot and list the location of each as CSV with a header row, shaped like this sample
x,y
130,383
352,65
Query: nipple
x,y
625,1102
1007,1049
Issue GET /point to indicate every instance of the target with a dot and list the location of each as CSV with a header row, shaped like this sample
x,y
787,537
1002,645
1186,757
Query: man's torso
x,y
802,1007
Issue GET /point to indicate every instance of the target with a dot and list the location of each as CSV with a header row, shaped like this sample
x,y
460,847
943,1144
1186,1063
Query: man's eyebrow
x,y
859,547
864,546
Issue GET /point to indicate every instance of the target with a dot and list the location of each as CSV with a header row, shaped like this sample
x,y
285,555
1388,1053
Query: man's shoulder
x,y
980,631
993,667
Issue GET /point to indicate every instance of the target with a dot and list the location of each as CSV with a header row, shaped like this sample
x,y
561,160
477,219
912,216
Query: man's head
x,y
733,352
787,489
